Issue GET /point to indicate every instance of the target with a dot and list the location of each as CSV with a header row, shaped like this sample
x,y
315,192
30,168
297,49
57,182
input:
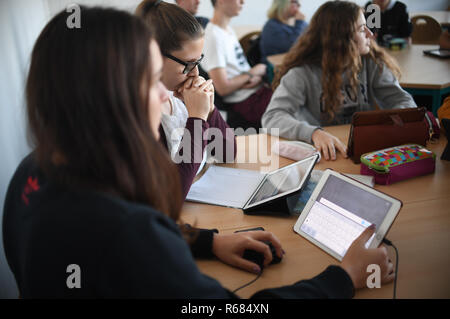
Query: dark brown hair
x,y
87,103
173,24
329,42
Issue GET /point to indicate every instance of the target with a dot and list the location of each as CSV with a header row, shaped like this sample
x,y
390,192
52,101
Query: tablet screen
x,y
283,181
341,212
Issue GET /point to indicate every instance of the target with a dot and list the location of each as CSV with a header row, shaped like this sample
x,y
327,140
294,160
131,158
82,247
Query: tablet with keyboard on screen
x,y
340,209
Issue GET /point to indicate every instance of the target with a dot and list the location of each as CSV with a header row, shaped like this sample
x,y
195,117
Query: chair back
x,y
250,45
426,30
246,40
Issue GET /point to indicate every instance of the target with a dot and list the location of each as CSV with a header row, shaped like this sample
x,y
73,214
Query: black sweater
x,y
123,249
394,22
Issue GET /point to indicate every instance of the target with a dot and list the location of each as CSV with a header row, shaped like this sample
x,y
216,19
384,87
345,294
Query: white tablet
x,y
340,209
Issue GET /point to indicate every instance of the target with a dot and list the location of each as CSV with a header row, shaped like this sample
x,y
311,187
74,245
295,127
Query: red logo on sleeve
x,y
30,187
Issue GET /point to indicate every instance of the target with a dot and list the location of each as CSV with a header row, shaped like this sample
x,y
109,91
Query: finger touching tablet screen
x,y
340,209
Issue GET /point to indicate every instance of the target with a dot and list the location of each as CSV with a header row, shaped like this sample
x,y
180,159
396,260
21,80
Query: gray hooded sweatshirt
x,y
296,108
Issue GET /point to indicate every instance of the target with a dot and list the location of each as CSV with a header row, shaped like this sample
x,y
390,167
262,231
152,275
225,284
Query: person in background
x,y
191,6
241,86
286,23
181,38
101,200
395,22
334,71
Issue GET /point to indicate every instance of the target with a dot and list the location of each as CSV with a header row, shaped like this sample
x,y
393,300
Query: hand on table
x,y
327,144
230,248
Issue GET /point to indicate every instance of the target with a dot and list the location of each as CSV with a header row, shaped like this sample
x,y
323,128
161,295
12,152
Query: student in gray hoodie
x,y
334,70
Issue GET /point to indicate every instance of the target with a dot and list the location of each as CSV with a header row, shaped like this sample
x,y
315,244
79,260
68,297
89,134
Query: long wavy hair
x,y
88,113
329,42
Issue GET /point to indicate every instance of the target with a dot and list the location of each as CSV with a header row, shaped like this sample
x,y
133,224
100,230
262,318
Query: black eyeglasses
x,y
188,66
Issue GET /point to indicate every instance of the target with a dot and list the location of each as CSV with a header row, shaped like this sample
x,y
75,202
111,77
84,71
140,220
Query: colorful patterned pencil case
x,y
398,163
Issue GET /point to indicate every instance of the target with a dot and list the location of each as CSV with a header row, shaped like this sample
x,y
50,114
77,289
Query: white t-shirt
x,y
223,50
174,126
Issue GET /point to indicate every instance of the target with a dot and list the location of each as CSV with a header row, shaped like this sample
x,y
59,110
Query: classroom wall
x,y
17,39
254,11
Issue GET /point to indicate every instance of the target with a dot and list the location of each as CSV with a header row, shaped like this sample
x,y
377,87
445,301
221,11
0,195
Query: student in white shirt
x,y
240,85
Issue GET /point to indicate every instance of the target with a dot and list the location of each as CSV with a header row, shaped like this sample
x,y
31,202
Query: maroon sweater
x,y
188,170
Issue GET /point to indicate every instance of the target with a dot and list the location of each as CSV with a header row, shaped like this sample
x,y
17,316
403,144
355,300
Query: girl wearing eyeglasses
x,y
189,110
286,23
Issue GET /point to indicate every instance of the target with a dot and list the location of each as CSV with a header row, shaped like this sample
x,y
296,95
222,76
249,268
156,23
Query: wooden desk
x,y
421,232
421,74
420,71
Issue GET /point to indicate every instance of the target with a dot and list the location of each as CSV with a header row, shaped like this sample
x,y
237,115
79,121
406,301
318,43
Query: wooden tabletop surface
x,y
419,71
421,231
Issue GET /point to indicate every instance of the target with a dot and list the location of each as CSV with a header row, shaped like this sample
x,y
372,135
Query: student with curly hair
x,y
334,70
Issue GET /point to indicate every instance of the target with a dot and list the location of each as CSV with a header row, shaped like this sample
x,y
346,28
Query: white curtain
x,y
20,23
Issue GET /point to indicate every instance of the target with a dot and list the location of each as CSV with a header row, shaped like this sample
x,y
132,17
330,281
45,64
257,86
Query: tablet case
x,y
375,130
280,206
284,205
398,163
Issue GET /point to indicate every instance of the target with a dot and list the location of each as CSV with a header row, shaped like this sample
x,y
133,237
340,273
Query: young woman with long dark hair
x,y
92,212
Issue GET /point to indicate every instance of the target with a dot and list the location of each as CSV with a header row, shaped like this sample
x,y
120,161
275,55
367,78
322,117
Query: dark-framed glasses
x,y
188,66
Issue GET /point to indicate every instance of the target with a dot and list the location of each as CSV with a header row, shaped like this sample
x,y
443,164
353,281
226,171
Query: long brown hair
x,y
329,42
173,24
87,103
